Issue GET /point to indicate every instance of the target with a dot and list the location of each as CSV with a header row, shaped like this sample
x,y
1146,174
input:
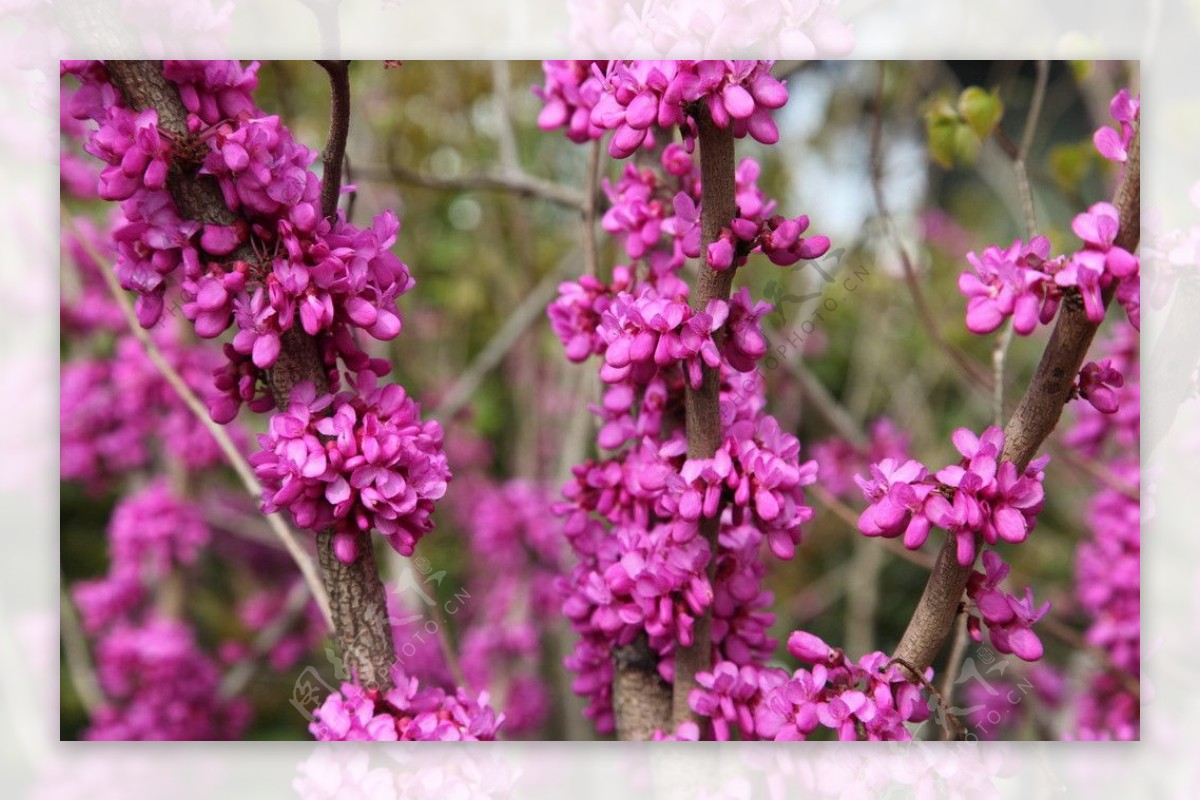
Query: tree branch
x,y
356,595
1035,417
339,128
702,406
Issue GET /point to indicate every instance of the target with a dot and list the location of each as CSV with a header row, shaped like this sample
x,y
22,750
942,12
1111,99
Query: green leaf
x,y
981,109
941,125
966,145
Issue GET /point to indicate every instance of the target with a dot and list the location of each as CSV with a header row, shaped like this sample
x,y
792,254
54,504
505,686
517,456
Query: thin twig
x,y
958,650
837,416
850,518
339,128
521,185
232,454
1031,121
950,720
999,355
79,661
506,137
1000,351
1095,470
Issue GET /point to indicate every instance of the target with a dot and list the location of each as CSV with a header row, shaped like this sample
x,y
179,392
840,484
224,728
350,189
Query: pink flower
x,y
1111,144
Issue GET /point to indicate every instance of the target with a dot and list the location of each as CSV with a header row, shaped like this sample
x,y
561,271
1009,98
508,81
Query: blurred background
x,y
491,223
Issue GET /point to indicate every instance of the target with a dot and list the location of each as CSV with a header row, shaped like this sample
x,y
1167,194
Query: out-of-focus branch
x,y
239,676
591,251
519,184
529,311
1000,351
978,377
79,662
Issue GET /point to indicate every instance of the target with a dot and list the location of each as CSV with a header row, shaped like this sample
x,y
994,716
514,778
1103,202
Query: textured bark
x,y
359,606
356,595
641,699
1035,417
717,209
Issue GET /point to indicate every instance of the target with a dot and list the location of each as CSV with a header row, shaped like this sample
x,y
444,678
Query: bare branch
x,y
529,311
519,184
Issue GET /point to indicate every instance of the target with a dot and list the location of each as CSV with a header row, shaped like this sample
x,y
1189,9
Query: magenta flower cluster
x,y
633,98
279,265
407,712
633,519
1009,619
1108,558
865,700
646,333
158,685
1023,283
371,464
979,496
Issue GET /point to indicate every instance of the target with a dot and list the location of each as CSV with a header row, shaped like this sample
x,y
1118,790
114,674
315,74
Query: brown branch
x,y
958,650
641,699
339,128
356,595
717,209
1035,417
